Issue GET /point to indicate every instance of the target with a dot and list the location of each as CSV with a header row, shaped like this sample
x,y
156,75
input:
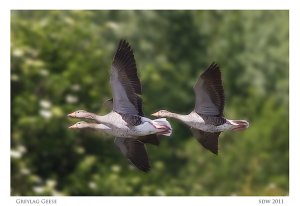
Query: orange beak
x,y
72,126
156,114
73,115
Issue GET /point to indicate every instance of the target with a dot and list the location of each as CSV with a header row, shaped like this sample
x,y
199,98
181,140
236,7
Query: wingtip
x,y
212,71
211,149
214,65
144,169
147,170
123,43
123,46
215,152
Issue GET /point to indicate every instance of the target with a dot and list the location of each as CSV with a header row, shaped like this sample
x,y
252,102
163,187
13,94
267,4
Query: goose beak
x,y
71,115
72,126
155,114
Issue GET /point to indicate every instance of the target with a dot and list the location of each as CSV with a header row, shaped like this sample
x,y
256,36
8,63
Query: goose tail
x,y
239,125
163,126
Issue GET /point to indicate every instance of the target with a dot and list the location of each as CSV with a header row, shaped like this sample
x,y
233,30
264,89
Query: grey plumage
x,y
209,92
126,88
209,105
132,120
125,83
213,120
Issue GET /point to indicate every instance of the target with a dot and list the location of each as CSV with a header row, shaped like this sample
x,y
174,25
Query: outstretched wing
x,y
126,86
208,140
209,92
134,151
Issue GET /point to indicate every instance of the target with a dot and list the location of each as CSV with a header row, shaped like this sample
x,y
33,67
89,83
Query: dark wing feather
x,y
124,59
134,151
132,120
213,120
208,140
127,117
126,86
209,92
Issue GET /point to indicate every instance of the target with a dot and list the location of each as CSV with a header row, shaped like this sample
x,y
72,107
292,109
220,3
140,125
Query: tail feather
x,y
164,122
239,125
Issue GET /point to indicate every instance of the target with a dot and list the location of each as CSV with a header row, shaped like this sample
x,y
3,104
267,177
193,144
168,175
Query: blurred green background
x,y
60,62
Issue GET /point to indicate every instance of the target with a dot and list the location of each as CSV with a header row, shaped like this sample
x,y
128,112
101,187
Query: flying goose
x,y
207,120
126,119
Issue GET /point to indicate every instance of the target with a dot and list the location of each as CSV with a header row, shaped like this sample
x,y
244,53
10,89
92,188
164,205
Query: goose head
x,y
162,113
80,125
81,114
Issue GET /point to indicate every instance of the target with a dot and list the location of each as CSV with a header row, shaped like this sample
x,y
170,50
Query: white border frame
x,y
294,9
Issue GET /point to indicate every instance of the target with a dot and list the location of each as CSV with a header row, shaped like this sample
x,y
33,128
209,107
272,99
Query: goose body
x,y
126,121
207,120
204,122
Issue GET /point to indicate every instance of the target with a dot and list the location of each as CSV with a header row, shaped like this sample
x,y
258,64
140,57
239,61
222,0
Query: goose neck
x,y
175,116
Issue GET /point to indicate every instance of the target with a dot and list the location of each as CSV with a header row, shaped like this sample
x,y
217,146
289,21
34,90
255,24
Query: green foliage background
x,y
60,63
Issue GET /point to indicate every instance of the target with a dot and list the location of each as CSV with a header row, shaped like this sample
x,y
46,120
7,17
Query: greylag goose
x,y
207,120
127,118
